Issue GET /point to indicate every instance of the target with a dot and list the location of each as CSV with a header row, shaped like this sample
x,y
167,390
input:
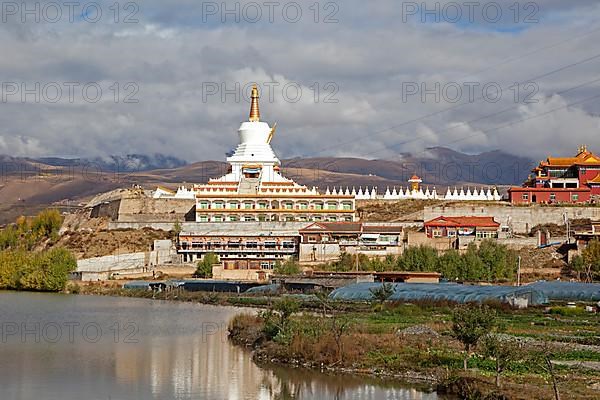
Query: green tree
x,y
421,258
498,261
450,265
591,260
473,267
469,324
205,265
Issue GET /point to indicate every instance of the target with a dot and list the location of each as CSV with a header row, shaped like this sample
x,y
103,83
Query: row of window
x,y
438,233
253,218
237,245
574,197
234,205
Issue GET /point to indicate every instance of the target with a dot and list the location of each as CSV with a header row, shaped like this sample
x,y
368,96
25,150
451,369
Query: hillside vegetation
x,y
22,267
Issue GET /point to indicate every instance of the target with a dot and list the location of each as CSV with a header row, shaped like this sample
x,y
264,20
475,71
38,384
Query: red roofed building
x,y
480,227
561,180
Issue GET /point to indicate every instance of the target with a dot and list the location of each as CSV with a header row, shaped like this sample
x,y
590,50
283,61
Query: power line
x,y
423,117
480,118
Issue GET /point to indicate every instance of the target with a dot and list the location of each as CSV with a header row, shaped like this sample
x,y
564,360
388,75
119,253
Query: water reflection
x,y
172,351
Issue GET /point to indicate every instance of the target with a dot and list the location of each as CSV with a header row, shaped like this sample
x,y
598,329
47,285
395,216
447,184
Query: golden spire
x,y
254,111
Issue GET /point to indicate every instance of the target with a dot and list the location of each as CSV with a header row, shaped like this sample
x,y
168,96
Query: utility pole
x,y
519,271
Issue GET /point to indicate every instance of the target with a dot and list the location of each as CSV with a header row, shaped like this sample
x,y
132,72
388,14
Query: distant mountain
x,y
29,184
437,166
128,163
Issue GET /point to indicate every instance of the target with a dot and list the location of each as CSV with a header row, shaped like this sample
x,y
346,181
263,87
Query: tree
x,y
177,228
288,267
577,265
498,261
204,266
451,265
345,262
421,258
471,323
542,356
46,224
41,271
277,318
285,307
591,260
383,292
473,267
339,323
502,351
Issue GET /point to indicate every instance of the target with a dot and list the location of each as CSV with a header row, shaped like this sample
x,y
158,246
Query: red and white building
x,y
478,227
561,180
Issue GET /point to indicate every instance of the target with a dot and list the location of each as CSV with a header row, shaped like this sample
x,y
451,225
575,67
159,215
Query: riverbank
x,y
411,342
415,342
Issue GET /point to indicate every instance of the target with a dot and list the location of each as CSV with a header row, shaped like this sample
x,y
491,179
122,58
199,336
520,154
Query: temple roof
x,y
583,157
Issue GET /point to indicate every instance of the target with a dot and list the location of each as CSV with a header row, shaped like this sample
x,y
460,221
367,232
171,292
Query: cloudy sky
x,y
351,78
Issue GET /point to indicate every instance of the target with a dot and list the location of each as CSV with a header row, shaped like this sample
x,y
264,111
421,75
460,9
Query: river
x,y
71,347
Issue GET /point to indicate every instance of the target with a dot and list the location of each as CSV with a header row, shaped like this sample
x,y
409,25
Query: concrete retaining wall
x,y
520,219
129,263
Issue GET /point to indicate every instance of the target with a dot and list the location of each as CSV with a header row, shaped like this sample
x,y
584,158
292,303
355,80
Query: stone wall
x,y
520,218
109,209
147,209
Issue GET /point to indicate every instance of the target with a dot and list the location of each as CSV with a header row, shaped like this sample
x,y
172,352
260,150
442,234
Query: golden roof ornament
x,y
254,111
272,133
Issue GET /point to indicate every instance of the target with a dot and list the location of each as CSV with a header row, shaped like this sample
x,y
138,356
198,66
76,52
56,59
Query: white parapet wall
x,y
401,193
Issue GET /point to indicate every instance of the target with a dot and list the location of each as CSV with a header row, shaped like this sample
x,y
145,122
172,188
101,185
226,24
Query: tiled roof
x,y
463,221
583,158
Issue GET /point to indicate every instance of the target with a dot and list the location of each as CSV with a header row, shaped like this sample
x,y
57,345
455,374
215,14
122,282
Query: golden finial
x,y
254,111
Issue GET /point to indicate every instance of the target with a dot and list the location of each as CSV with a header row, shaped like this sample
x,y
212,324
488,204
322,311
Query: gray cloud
x,y
369,55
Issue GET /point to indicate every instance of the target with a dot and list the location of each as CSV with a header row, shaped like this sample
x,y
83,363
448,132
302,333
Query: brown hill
x,y
28,185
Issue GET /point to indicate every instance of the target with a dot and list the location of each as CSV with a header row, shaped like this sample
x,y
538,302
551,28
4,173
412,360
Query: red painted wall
x,y
589,174
543,196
